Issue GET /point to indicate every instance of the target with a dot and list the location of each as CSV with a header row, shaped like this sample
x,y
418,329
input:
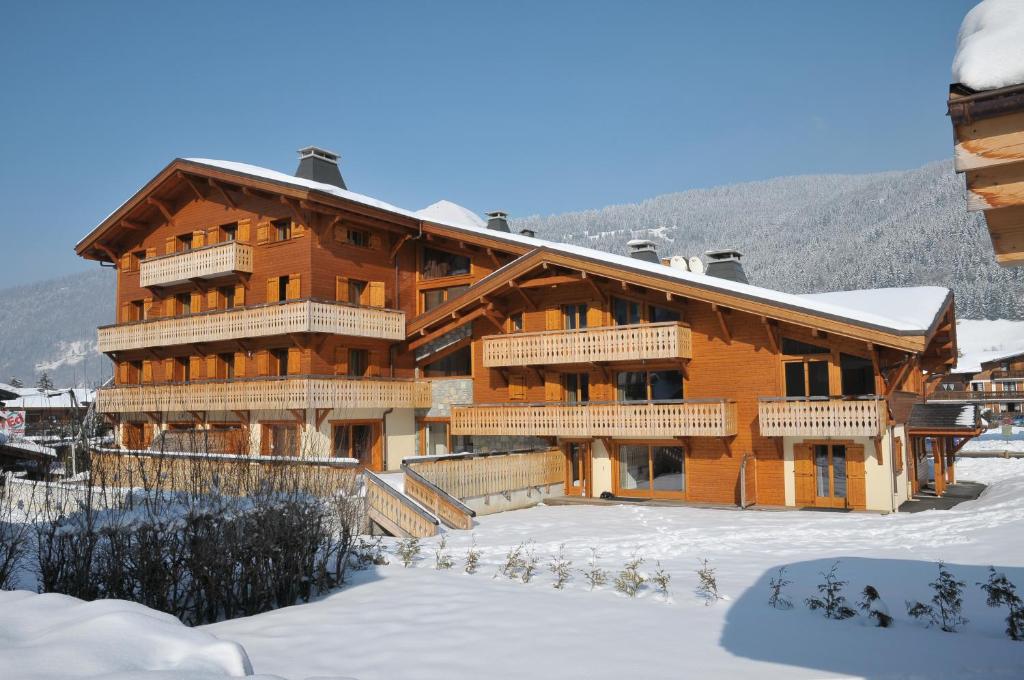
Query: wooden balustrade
x,y
395,512
671,340
218,259
450,510
477,475
277,393
299,316
978,397
833,417
686,418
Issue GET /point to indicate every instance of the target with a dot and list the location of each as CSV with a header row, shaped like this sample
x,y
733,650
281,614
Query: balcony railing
x,y
988,396
275,393
821,417
206,262
671,340
299,316
686,418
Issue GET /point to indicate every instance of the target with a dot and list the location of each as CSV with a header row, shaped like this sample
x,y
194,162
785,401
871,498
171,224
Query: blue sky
x,y
531,107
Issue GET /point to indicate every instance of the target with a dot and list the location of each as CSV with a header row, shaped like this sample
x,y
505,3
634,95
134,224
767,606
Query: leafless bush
x,y
661,580
472,558
630,580
561,568
595,575
15,538
707,586
408,550
443,558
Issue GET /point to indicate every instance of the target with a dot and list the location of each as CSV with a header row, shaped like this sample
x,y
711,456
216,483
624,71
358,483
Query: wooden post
x,y
939,456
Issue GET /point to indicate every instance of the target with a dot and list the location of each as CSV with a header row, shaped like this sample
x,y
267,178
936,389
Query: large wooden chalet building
x,y
285,315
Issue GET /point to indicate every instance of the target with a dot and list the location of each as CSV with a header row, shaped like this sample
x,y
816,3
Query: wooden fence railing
x,y
825,417
689,418
275,393
446,507
208,261
476,475
395,512
297,316
670,340
987,396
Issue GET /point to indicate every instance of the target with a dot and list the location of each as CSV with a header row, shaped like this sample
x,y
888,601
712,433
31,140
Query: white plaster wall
x,y
877,478
600,469
402,437
516,500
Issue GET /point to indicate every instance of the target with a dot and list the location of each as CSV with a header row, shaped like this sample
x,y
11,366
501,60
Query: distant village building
x,y
37,426
997,386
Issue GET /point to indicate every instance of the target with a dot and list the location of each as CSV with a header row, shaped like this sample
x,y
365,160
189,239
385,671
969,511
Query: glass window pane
x,y
362,443
823,488
632,386
437,439
795,379
858,375
625,312
437,263
669,469
432,298
791,346
575,463
341,442
634,468
817,378
661,314
839,471
666,384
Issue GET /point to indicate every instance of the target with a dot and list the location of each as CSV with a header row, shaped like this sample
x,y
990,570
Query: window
x,y
183,304
357,292
515,322
437,264
858,375
807,378
135,372
435,438
282,287
279,361
280,440
438,296
137,257
656,314
625,312
577,387
458,363
650,470
184,242
182,369
138,310
649,385
830,471
226,366
282,230
357,237
796,347
227,294
574,316
355,440
358,362
229,232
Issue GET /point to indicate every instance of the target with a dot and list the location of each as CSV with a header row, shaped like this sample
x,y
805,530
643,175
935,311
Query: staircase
x,y
413,508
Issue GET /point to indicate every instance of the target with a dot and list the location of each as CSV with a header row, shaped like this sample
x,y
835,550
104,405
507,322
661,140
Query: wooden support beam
x,y
527,300
447,328
162,207
291,205
901,374
243,416
723,324
134,226
545,281
444,351
192,185
156,417
198,416
222,191
769,328
494,258
108,252
398,246
300,416
321,416
497,321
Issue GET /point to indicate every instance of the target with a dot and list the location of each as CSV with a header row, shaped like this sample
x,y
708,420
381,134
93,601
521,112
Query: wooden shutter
x,y
298,229
263,232
195,366
211,367
168,370
856,491
147,307
517,387
198,238
213,299
125,264
375,242
376,289
212,235
263,362
553,319
595,316
122,372
147,435
273,284
170,245
341,360
375,361
243,230
294,361
294,291
239,294
170,306
150,252
126,312
897,454
147,371
552,387
239,364
341,289
803,469
196,302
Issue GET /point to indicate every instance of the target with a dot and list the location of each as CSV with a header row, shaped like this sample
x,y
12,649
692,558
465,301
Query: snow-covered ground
x,y
422,623
994,440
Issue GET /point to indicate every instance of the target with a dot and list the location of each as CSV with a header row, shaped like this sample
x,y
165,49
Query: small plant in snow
x,y
442,558
594,575
560,568
629,580
472,558
368,553
708,586
945,611
514,563
661,579
832,600
1001,592
529,564
408,550
776,599
872,605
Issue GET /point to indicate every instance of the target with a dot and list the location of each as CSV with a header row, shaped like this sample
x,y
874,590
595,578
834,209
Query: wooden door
x,y
577,468
803,467
856,486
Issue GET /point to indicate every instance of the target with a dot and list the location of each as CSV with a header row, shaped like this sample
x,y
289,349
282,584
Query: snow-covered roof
x,y
990,46
910,319
32,398
983,340
917,305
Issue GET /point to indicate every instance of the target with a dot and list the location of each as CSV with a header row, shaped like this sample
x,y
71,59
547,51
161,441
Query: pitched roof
x,y
943,417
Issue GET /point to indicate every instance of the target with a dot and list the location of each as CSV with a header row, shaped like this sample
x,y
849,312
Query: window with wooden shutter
x,y
341,360
803,470
171,306
243,230
517,387
150,252
263,362
856,490
263,232
122,373
273,286
552,387
294,361
341,289
376,243
198,238
168,370
553,319
595,316
897,454
239,295
294,287
376,289
170,245
298,229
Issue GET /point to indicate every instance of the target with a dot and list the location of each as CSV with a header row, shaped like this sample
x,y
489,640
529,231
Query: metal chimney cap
x,y
723,254
318,152
497,213
640,244
527,232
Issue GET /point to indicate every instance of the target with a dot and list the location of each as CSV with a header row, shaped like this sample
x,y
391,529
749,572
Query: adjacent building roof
x,y
935,417
30,398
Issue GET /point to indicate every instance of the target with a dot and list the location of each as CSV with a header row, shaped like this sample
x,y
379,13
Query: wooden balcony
x,y
207,262
276,393
671,340
821,417
972,397
686,418
299,316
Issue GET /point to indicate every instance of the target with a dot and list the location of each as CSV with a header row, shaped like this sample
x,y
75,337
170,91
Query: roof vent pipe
x,y
642,249
528,232
498,221
319,165
725,264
